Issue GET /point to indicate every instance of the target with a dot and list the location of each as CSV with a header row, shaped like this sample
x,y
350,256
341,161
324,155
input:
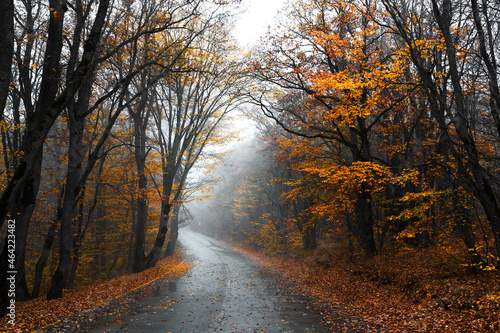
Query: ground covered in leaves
x,y
40,312
405,292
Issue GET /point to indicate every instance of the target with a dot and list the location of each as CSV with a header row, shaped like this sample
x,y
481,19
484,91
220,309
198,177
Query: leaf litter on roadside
x,y
78,303
391,293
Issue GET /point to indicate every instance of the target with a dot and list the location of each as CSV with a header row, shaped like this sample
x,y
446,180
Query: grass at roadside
x,y
392,292
40,312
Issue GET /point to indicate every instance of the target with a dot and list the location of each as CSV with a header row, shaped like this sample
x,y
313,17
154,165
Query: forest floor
x,y
411,291
38,313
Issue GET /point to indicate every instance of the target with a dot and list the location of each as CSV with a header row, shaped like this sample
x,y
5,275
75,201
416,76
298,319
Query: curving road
x,y
223,292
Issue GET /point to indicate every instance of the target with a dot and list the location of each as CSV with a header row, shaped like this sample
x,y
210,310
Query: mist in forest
x,y
214,215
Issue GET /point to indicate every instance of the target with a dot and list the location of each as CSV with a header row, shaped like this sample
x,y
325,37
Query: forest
x,y
377,132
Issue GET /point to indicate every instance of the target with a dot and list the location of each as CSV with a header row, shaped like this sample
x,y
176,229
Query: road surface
x,y
223,292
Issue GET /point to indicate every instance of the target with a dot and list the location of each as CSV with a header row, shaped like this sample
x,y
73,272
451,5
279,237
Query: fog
x,y
213,215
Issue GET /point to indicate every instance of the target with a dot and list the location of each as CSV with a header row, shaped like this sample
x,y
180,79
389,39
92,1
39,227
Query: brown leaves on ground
x,y
404,292
41,312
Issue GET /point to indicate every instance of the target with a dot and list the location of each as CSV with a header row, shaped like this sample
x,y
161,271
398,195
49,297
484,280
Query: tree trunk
x,y
139,261
44,256
309,239
19,196
364,221
74,266
77,112
77,244
131,248
47,247
26,177
21,213
479,180
75,158
155,252
99,238
174,232
6,50
465,231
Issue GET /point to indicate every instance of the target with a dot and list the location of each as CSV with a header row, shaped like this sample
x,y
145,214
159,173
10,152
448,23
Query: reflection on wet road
x,y
223,292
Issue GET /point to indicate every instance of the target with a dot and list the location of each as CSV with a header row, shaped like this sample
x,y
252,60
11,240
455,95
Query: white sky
x,y
253,23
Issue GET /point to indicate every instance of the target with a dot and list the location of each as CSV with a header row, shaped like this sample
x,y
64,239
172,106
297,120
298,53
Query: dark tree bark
x,y
309,239
6,50
459,138
47,247
166,206
488,51
75,152
154,254
82,228
19,197
75,158
174,232
478,179
140,117
365,221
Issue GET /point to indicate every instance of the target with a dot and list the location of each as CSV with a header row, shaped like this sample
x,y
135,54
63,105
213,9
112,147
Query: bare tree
x,y
188,111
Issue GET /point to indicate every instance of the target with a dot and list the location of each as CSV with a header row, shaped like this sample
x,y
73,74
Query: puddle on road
x,y
172,287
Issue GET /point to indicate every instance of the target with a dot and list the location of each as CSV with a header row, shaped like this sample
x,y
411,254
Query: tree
x,y
338,81
82,62
19,197
6,50
139,64
188,111
450,87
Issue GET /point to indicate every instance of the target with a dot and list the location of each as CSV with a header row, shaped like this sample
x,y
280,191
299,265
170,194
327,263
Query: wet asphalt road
x,y
223,292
